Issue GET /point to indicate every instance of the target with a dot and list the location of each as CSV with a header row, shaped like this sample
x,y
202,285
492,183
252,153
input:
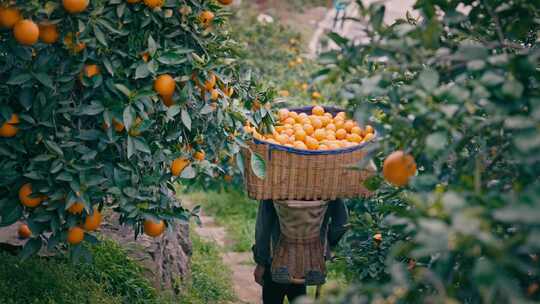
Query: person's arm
x,y
266,219
339,218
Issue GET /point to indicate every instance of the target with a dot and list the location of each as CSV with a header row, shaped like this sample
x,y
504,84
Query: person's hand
x,y
258,273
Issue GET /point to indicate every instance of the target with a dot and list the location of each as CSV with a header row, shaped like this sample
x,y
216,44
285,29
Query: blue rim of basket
x,y
332,110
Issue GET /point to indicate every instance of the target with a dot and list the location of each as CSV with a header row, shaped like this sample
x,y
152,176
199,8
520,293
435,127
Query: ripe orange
x,y
368,137
300,145
316,122
333,146
323,147
168,100
316,95
225,2
283,114
289,132
355,138
93,221
206,18
291,121
331,126
133,1
341,115
76,208
312,143
25,196
300,134
330,135
153,229
293,115
338,122
9,16
214,95
26,32
325,120
48,33
75,235
297,126
9,128
210,83
356,130
348,125
118,126
153,3
308,128
68,41
317,110
283,139
398,167
200,155
369,129
24,231
91,70
164,85
75,6
178,165
341,134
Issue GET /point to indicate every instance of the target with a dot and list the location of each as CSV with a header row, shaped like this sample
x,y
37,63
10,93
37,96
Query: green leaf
x,y
258,166
188,172
429,79
44,79
100,36
436,141
130,146
128,117
142,71
17,79
240,162
140,145
53,147
30,248
152,46
186,119
122,88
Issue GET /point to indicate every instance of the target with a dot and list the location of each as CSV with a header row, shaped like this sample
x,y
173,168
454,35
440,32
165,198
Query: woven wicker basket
x,y
294,174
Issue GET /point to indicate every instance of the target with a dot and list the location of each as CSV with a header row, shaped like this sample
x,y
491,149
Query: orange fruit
x,y
75,235
287,126
308,128
200,155
9,128
133,1
331,126
317,110
25,196
323,147
300,134
91,70
118,126
152,228
341,115
9,16
273,141
75,6
348,125
368,137
330,135
283,114
26,32
355,138
206,18
289,132
279,129
338,122
178,165
356,130
283,93
283,139
225,2
48,33
316,95
293,115
210,83
24,231
341,134
398,167
325,120
289,145
68,41
92,221
153,3
297,126
165,85
333,146
312,143
316,123
214,94
300,145
291,121
76,208
168,100
369,129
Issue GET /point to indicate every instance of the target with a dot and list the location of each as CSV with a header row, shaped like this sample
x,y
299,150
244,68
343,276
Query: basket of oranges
x,y
309,156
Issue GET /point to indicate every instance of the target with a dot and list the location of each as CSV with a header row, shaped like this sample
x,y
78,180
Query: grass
x,y
112,278
210,281
234,211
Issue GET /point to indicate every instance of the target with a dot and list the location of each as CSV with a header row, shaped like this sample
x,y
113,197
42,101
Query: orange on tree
x,y
91,70
152,228
118,126
315,96
26,32
154,3
76,208
24,231
9,128
165,85
398,167
225,2
92,221
214,95
75,235
48,33
210,83
199,155
26,198
75,6
133,1
9,16
178,165
206,18
168,100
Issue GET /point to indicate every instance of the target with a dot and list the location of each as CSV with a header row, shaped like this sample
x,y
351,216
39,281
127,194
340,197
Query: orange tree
x,y
457,90
103,104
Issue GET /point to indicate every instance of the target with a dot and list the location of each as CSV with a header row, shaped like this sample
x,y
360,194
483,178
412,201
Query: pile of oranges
x,y
318,131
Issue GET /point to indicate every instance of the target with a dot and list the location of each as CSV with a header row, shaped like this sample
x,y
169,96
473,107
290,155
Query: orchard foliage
x,y
93,131
459,89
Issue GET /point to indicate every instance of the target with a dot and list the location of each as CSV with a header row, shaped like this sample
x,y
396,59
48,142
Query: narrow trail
x,y
240,263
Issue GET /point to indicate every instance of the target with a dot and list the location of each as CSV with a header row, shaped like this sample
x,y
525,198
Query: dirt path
x,y
240,263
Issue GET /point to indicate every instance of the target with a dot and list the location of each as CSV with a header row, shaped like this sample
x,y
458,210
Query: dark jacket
x,y
267,229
